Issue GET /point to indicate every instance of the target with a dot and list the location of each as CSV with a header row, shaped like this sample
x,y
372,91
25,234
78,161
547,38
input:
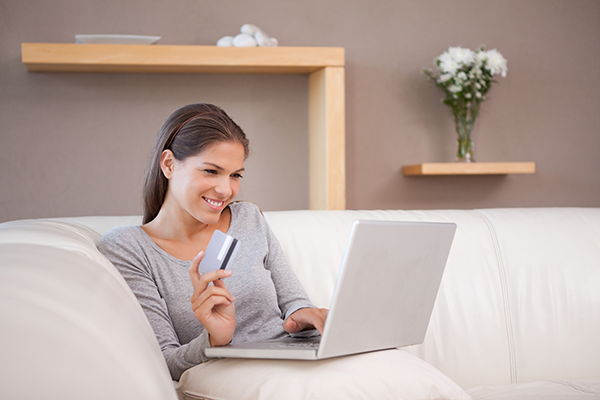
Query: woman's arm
x,y
127,255
298,311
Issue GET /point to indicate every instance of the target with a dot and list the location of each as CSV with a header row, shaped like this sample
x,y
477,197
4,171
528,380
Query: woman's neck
x,y
181,237
183,225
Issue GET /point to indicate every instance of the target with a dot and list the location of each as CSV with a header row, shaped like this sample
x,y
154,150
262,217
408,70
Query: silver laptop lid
x,y
387,286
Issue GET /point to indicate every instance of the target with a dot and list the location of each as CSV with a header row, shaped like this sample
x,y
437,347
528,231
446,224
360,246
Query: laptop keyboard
x,y
300,344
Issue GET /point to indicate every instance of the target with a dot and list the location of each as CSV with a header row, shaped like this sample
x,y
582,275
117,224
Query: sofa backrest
x,y
519,300
549,264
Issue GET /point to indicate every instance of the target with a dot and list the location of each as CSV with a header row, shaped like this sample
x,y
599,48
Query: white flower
x,y
444,78
465,76
462,56
496,64
456,57
481,56
447,64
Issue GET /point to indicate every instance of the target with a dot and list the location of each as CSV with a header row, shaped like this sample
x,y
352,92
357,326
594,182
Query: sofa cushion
x,y
71,331
391,374
549,259
101,224
69,236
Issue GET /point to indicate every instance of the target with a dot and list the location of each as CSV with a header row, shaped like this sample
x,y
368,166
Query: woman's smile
x,y
217,205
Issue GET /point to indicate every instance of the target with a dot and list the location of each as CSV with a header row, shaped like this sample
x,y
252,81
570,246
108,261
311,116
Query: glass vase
x,y
464,127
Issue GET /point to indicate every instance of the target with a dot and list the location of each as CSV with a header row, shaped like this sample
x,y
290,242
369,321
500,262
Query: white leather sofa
x,y
517,315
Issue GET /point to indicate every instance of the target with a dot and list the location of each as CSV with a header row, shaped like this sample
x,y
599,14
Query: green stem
x,y
464,126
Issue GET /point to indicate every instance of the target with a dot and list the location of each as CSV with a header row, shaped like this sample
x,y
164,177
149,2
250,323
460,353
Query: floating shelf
x,y
69,57
324,65
476,168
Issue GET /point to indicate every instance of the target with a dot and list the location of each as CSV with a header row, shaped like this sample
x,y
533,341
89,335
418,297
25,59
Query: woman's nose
x,y
224,187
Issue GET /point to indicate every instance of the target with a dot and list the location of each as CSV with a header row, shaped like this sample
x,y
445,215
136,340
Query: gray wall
x,y
76,144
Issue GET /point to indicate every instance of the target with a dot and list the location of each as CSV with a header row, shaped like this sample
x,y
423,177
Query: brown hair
x,y
187,132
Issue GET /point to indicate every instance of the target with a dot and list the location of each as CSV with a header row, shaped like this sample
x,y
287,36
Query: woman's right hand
x,y
213,304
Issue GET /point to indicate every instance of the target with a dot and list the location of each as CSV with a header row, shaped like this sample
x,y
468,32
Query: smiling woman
x,y
191,182
187,132
201,186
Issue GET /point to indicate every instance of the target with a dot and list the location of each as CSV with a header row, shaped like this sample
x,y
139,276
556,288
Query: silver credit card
x,y
220,252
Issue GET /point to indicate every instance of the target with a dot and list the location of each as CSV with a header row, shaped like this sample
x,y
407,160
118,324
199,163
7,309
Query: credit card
x,y
220,252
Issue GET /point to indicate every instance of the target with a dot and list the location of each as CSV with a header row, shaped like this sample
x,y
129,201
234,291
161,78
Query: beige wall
x,y
76,144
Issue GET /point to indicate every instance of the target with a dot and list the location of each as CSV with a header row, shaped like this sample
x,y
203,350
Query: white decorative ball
x,y
264,40
225,41
243,40
250,29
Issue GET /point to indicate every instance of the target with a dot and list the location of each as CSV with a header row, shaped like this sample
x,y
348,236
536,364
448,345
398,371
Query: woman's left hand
x,y
306,318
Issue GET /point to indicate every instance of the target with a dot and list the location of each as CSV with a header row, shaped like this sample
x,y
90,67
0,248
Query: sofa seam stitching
x,y
505,295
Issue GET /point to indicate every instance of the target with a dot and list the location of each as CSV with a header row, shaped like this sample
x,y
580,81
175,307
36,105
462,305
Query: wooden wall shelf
x,y
324,65
69,57
477,168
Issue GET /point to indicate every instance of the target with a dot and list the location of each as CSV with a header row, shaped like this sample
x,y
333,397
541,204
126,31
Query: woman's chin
x,y
209,217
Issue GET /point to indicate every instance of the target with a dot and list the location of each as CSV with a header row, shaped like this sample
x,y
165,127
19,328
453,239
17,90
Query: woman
x,y
193,176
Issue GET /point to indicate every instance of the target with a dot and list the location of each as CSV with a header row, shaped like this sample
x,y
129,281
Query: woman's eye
x,y
211,171
237,176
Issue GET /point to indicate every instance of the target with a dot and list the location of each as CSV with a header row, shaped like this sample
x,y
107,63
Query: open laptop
x,y
384,295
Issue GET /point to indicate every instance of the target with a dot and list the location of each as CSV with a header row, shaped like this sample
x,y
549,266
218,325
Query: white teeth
x,y
214,203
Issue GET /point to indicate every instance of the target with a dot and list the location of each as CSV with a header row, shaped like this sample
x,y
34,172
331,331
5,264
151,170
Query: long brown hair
x,y
187,132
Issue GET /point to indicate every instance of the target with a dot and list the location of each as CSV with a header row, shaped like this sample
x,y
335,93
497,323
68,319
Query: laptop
x,y
384,296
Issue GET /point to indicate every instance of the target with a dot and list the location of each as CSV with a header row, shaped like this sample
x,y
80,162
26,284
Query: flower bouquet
x,y
465,76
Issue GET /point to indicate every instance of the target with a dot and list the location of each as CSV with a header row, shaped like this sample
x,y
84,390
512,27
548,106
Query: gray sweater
x,y
265,288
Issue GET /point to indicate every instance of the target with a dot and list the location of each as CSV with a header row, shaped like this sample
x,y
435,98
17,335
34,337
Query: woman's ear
x,y
167,163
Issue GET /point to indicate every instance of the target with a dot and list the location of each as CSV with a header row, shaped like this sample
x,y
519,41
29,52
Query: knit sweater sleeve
x,y
129,256
291,295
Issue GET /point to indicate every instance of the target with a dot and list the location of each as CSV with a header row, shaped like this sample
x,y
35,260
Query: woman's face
x,y
202,186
